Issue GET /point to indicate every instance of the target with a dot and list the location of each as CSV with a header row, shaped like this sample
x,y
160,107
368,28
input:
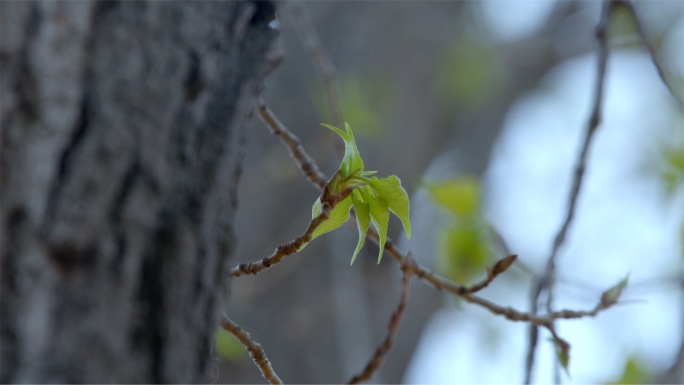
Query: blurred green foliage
x,y
465,243
364,100
672,171
468,73
633,373
460,196
228,347
623,29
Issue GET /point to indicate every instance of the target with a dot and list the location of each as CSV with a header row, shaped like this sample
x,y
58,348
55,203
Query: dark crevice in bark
x,y
131,175
25,85
15,227
78,133
264,13
193,83
150,332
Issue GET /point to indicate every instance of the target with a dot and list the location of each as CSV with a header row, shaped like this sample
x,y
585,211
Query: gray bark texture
x,y
122,140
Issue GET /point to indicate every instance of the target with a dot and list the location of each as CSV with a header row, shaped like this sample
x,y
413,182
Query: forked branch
x,y
439,283
546,282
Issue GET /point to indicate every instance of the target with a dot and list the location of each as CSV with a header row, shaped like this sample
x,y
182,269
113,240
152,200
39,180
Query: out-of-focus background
x,y
479,108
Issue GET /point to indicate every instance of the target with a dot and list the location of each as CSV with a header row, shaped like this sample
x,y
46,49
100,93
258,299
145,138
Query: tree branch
x,y
374,363
546,281
254,348
440,283
652,53
305,162
432,279
328,202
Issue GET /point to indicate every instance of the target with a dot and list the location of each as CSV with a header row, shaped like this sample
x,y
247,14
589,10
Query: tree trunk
x,y
122,137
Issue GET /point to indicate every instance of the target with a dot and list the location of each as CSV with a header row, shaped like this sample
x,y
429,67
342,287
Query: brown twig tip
x,y
256,351
501,266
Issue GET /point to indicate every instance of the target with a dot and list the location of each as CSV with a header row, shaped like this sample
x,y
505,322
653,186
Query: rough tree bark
x,y
122,126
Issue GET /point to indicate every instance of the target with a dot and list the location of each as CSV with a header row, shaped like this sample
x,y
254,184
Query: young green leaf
x,y
338,215
372,198
379,215
352,159
397,198
611,296
362,211
562,353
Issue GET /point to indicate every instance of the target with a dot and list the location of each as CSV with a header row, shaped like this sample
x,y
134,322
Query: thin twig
x,y
305,162
546,282
254,348
374,363
320,58
652,53
328,202
466,293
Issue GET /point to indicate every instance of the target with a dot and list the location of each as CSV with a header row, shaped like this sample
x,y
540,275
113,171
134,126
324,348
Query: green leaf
x,y
390,189
379,215
460,196
352,159
362,211
611,296
562,353
338,215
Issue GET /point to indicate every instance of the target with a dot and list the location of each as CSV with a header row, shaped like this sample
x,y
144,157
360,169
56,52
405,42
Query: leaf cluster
x,y
372,198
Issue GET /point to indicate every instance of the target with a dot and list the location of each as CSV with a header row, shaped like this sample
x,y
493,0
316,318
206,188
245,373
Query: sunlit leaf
x,y
362,211
397,198
352,159
372,198
338,215
379,215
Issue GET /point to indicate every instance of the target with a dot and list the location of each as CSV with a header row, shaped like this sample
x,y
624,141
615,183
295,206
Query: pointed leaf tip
x,y
611,296
362,221
352,159
397,199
